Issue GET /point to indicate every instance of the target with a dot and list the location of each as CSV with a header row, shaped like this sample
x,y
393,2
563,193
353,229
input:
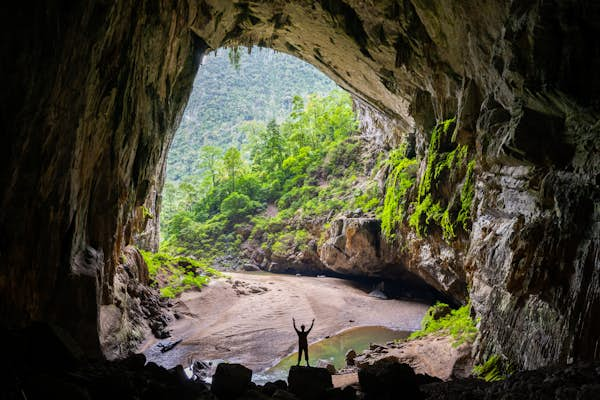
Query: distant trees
x,y
226,100
279,163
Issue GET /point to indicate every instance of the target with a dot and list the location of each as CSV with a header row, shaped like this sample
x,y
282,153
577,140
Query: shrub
x,y
173,275
494,369
237,206
457,323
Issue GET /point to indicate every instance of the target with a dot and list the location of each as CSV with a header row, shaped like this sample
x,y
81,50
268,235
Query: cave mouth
x,y
269,152
95,92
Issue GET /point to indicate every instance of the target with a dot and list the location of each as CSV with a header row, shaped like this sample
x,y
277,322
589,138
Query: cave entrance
x,y
269,154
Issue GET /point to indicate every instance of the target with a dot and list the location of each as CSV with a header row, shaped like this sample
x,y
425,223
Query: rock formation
x,y
137,310
93,92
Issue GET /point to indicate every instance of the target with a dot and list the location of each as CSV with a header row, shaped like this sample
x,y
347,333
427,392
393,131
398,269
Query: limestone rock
x,y
309,382
350,356
327,365
137,311
384,379
230,380
433,355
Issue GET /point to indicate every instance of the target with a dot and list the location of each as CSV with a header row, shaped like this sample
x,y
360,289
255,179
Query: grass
x,y
173,275
457,323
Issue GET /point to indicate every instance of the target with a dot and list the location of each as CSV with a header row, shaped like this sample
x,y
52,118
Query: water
x,y
333,349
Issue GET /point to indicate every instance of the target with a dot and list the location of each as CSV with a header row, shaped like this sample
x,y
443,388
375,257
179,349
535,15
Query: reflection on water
x,y
333,349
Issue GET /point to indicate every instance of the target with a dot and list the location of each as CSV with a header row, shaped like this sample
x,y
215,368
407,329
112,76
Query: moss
x,y
425,213
146,213
400,179
447,225
467,194
446,167
494,369
457,323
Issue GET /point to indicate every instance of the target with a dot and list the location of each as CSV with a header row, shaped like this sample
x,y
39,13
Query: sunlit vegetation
x,y
441,320
400,179
307,166
172,275
235,86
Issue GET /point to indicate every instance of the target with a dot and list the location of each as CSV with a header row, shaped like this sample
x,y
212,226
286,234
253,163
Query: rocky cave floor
x,y
40,363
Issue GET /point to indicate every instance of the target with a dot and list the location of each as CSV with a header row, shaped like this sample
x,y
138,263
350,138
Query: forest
x,y
303,167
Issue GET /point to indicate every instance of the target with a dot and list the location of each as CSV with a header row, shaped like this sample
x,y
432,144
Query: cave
x,y
94,92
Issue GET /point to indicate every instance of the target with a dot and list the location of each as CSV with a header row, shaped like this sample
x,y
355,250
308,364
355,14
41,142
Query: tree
x,y
238,205
209,161
232,161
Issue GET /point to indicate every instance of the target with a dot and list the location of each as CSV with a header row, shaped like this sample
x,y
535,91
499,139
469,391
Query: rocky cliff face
x,y
94,90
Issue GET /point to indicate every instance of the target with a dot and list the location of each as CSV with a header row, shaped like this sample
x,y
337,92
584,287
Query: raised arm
x,y
311,326
294,321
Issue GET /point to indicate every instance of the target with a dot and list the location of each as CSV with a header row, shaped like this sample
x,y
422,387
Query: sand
x,y
247,318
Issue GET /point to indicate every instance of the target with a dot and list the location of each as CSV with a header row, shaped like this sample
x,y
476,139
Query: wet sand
x,y
247,318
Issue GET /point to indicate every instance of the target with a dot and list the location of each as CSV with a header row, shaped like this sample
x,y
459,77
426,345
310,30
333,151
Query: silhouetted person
x,y
303,340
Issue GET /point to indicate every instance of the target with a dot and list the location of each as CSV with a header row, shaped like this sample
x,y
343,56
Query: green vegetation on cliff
x,y
173,275
400,179
441,320
495,368
447,166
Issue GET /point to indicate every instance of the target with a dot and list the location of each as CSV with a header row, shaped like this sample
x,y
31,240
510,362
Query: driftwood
x,y
164,347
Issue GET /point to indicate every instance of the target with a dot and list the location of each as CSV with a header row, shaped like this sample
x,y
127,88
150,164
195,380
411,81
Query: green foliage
x,y
457,323
209,162
494,369
424,214
232,162
238,205
146,213
447,164
225,101
467,194
306,165
173,275
400,179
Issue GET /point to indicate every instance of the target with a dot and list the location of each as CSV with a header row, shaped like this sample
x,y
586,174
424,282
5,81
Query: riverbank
x,y
247,318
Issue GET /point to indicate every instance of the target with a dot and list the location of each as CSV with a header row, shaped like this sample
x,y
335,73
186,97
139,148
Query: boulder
x,y
328,365
201,370
271,387
230,380
309,382
284,395
378,294
350,356
384,379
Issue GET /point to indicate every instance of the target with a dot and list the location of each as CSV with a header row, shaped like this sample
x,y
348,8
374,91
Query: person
x,y
303,340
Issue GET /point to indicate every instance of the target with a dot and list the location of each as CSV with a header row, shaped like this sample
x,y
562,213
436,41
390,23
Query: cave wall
x,y
94,90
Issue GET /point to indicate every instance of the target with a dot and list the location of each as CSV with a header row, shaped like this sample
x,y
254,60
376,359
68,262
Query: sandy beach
x,y
247,317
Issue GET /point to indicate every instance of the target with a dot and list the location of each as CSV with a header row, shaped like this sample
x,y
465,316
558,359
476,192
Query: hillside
x,y
223,97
